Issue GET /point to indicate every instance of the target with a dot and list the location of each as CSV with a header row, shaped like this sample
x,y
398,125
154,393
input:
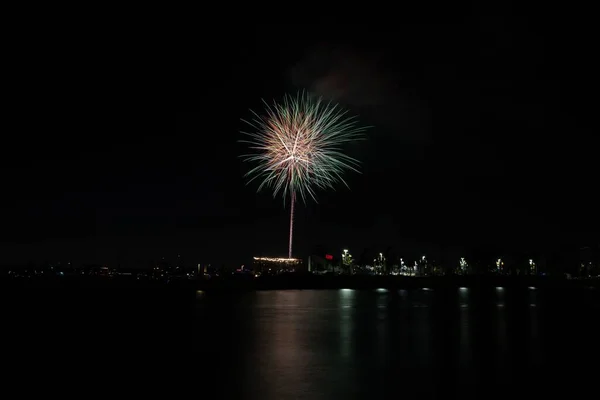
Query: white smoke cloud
x,y
362,81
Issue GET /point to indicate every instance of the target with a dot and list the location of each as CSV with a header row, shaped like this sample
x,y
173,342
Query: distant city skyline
x,y
584,261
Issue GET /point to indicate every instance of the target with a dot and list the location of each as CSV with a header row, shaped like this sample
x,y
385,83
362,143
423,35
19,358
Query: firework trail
x,y
297,148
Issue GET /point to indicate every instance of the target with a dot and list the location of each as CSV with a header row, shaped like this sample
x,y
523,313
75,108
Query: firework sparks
x,y
297,148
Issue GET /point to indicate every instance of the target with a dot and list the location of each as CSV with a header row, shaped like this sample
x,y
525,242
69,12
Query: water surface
x,y
338,344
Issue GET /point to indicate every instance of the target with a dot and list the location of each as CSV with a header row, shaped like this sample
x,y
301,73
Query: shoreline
x,y
302,282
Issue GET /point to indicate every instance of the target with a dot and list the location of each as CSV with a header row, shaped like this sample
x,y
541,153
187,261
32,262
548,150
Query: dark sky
x,y
482,138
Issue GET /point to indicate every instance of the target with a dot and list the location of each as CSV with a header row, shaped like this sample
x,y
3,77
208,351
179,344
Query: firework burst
x,y
297,148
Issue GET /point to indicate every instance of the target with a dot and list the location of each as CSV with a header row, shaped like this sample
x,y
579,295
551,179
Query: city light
x,y
463,266
276,259
499,264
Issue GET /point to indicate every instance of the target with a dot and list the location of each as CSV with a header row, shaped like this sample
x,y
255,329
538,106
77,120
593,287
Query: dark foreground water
x,y
347,344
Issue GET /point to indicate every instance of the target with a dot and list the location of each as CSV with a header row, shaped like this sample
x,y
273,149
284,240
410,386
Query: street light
x,y
347,260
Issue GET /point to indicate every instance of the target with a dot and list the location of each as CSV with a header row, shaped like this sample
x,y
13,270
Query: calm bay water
x,y
330,344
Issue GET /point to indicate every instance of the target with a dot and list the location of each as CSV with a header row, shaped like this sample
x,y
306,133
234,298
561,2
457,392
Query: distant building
x,y
588,262
275,265
179,266
318,264
323,260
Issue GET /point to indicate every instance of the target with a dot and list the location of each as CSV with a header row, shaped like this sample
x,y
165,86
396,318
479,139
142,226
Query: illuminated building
x,y
380,264
275,265
424,268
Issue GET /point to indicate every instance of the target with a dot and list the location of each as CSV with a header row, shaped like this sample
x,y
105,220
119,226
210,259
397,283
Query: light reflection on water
x,y
346,298
355,344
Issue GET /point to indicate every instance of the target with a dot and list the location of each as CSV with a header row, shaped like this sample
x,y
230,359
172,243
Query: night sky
x,y
482,137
